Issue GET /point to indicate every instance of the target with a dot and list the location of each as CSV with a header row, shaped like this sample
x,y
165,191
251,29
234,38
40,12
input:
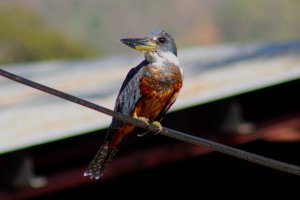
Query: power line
x,y
261,160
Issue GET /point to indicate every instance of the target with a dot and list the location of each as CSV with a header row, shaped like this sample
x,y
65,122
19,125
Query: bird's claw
x,y
146,121
143,119
159,126
142,134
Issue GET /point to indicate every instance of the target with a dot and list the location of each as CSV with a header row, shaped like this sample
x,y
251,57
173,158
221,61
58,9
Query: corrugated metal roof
x,y
30,117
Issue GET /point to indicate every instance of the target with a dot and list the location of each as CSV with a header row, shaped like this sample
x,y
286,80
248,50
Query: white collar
x,y
159,57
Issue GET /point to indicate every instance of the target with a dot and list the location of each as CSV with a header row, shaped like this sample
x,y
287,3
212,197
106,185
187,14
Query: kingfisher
x,y
147,93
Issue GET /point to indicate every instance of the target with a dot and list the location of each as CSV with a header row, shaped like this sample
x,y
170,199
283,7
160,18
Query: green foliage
x,y
24,37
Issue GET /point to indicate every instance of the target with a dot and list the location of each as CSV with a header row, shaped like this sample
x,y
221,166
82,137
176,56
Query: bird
x,y
147,93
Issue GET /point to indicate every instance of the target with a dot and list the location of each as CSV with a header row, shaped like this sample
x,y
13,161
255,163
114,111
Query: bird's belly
x,y
152,104
149,106
155,96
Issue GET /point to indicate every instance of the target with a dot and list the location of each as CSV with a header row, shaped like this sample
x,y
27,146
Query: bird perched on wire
x,y
147,93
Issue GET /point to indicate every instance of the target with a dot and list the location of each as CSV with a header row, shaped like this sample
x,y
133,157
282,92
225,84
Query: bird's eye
x,y
162,40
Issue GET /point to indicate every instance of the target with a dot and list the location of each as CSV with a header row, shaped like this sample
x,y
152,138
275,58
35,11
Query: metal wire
x,y
261,160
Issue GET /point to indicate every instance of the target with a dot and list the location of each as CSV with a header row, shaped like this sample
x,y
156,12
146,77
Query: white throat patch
x,y
157,58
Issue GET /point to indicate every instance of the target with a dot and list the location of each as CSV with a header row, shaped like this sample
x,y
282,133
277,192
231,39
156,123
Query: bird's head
x,y
158,45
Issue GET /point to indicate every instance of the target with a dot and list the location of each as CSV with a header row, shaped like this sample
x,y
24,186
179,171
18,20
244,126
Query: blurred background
x,y
41,30
242,76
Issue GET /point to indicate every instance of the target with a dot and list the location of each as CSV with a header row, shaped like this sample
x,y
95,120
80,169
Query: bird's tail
x,y
99,163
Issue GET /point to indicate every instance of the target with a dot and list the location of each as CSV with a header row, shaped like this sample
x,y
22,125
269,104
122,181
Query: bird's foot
x,y
159,127
142,134
143,119
146,121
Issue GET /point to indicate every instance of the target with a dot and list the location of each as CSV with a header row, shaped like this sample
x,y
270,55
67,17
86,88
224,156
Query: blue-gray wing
x,y
129,93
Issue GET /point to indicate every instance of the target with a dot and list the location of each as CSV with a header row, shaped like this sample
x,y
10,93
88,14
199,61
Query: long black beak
x,y
140,44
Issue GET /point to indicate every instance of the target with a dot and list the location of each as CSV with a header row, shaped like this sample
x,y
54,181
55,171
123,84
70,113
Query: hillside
x,y
100,23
